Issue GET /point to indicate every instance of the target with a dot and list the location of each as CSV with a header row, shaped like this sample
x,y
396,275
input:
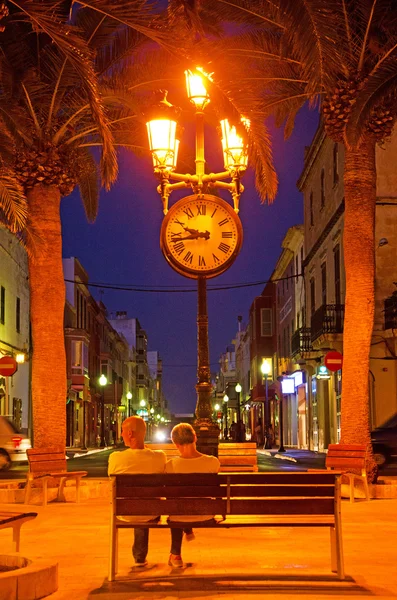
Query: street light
x,y
129,398
225,401
238,389
142,403
163,136
265,370
102,382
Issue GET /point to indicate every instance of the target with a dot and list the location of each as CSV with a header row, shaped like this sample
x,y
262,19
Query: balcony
x,y
301,342
390,311
326,322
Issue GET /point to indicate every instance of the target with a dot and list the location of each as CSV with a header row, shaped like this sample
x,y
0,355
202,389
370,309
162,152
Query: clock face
x,y
201,235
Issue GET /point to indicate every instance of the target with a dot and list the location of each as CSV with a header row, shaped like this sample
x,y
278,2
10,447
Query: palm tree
x,y
51,113
342,54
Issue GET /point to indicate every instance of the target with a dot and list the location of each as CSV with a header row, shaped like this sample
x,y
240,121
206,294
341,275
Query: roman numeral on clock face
x,y
188,258
223,222
175,236
224,247
179,247
180,223
188,212
216,259
201,261
227,234
201,209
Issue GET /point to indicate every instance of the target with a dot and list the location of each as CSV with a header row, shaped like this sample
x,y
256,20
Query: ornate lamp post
x,y
238,389
102,382
225,401
201,234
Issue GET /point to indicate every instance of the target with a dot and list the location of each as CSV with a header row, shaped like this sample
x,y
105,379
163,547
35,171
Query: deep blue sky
x,y
122,247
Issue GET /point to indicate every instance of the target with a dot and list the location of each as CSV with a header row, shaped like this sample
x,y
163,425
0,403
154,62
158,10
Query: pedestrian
x,y
225,434
138,460
189,461
258,433
243,431
233,431
269,438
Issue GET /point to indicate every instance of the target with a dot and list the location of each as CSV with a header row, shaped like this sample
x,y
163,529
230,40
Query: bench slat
x,y
241,521
237,460
185,491
281,506
46,467
149,506
236,491
351,454
341,463
280,477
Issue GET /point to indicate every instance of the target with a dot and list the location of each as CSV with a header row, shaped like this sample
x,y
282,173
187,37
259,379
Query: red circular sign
x,y
8,366
333,360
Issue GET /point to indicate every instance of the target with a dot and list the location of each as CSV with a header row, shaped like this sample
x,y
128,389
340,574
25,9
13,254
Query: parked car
x,y
384,442
13,444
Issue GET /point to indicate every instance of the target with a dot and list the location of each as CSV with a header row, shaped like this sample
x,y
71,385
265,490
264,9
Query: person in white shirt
x,y
137,459
189,461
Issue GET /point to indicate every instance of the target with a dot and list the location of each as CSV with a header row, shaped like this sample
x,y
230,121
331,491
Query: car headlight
x,y
160,436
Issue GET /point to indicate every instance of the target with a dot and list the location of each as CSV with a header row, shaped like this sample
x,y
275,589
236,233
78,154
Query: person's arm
x,y
111,465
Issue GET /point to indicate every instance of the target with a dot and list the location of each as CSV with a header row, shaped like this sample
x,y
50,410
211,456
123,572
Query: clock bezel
x,y
189,271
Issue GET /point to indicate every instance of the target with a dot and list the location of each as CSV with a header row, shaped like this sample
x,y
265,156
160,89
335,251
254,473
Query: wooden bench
x,y
15,520
278,499
46,464
346,458
233,457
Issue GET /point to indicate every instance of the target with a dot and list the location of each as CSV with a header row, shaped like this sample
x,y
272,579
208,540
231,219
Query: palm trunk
x,y
359,258
47,304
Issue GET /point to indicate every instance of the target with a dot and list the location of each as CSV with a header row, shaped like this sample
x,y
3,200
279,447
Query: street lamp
x,y
163,137
225,401
265,370
216,407
102,382
238,389
129,398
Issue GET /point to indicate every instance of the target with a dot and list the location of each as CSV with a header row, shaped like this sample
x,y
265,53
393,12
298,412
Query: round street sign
x,y
8,366
333,360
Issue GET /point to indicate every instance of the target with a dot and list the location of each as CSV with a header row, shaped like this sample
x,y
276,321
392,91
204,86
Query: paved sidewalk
x,y
228,564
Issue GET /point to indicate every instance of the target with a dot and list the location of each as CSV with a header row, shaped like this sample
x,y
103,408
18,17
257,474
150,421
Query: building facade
x,y
15,399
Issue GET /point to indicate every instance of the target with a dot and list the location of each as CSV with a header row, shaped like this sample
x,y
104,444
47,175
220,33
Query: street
x,y
96,464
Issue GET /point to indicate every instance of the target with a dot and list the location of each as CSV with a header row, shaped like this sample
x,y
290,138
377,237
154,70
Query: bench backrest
x,y
230,455
278,493
346,457
46,460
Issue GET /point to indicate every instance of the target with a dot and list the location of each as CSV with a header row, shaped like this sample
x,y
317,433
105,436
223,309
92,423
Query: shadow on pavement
x,y
253,583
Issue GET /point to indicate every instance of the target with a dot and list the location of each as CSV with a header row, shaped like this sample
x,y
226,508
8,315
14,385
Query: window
x,y
337,273
18,315
79,357
322,188
324,283
311,208
335,165
312,296
266,322
2,305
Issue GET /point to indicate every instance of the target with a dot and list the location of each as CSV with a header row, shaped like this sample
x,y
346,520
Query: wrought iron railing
x,y
390,310
301,341
327,319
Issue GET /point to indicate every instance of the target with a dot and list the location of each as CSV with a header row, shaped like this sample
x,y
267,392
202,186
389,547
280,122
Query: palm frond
x,y
88,182
13,203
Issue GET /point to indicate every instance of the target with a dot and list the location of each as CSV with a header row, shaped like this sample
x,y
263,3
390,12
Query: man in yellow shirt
x,y
138,460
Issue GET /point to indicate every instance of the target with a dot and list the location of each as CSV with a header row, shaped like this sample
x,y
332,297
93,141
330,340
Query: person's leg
x,y
175,559
188,531
141,545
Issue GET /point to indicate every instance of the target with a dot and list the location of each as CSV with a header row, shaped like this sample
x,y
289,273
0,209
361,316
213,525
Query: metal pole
x,y
83,446
267,413
239,436
206,430
281,423
102,442
200,159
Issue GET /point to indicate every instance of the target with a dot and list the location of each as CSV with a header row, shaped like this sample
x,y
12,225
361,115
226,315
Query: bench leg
x,y
351,485
45,492
16,537
27,491
366,488
78,480
332,533
340,568
113,558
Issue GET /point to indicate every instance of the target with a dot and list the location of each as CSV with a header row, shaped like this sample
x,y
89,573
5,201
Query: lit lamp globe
x,y
265,368
161,130
158,417
226,398
162,419
235,154
196,90
238,388
152,410
103,380
142,403
216,407
129,396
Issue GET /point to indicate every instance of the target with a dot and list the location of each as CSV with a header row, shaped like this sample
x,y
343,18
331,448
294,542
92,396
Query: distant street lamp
x,y
225,401
102,382
129,398
216,407
142,403
266,369
238,389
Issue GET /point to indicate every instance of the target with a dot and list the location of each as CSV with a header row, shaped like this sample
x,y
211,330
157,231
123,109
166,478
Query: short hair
x,y
183,434
136,425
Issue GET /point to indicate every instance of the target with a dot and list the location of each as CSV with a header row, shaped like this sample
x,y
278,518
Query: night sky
x,y
122,247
